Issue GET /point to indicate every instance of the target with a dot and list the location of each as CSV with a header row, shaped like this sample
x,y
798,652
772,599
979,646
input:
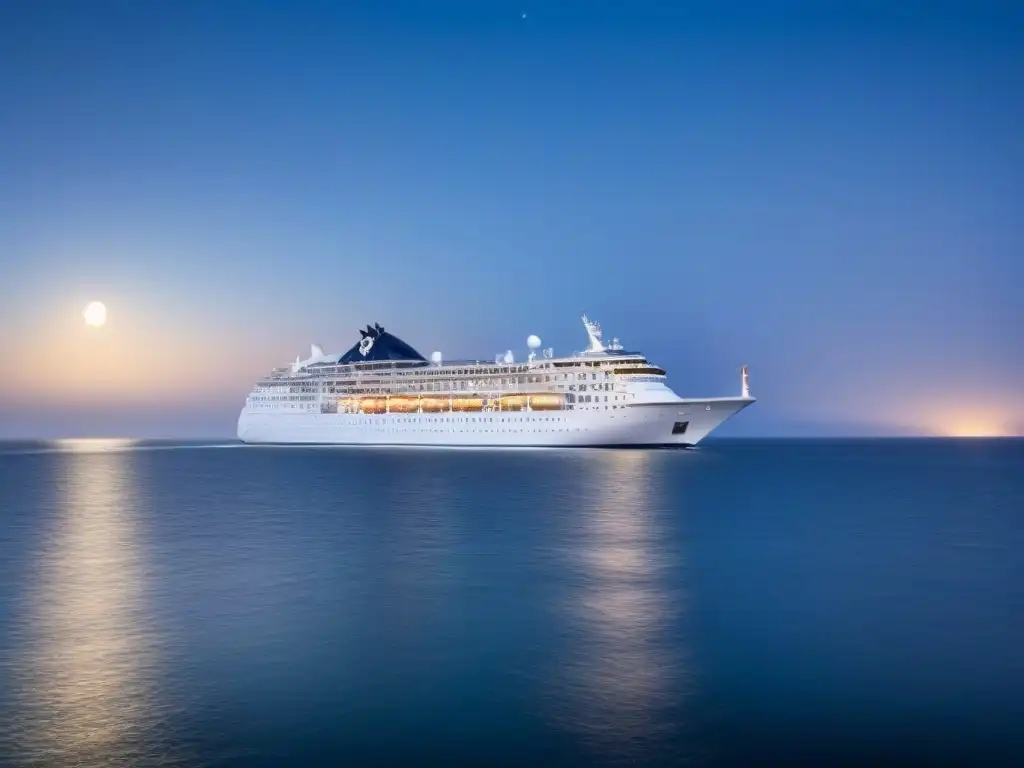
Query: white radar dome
x,y
435,357
533,341
509,358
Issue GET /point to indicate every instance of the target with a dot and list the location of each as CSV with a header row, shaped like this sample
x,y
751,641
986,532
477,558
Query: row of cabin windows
x,y
462,386
599,363
650,371
437,386
587,398
334,387
387,428
537,379
424,371
483,371
476,419
464,419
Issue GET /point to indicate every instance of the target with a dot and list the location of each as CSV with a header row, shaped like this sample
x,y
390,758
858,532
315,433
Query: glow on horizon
x,y
94,444
996,418
977,428
994,421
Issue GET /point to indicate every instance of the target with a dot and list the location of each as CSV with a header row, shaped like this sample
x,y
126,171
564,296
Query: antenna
x,y
594,335
746,382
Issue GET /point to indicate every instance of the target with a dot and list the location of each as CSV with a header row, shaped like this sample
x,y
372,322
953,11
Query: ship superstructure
x,y
382,391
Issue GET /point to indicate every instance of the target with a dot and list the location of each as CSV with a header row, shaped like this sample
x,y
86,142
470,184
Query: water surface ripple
x,y
750,602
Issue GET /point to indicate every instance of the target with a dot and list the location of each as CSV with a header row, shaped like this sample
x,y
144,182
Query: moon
x,y
95,314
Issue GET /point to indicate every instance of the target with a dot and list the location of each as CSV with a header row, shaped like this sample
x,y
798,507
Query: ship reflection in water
x,y
304,607
622,678
87,689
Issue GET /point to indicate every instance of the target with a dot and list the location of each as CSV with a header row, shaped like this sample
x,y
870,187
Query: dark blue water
x,y
747,603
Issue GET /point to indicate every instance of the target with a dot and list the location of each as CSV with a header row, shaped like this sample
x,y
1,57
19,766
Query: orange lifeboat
x,y
512,402
373,405
546,402
433,404
403,404
468,404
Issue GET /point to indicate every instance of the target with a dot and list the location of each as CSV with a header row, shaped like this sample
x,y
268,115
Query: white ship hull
x,y
650,424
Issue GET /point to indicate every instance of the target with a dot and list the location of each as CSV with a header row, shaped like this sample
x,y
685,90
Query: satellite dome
x,y
533,341
509,358
435,357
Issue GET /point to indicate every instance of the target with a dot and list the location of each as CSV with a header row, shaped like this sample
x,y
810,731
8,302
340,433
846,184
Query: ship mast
x,y
594,334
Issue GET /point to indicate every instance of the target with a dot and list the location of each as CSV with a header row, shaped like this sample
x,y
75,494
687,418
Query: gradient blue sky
x,y
829,192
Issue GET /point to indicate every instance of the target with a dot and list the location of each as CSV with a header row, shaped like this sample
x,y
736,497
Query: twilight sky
x,y
831,196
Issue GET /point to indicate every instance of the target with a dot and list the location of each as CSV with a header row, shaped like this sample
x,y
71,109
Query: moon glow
x,y
95,314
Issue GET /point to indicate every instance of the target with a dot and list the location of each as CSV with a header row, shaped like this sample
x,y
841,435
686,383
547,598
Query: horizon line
x,y
710,438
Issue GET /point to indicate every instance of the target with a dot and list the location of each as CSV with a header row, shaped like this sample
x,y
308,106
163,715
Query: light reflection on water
x,y
623,682
87,689
298,608
93,445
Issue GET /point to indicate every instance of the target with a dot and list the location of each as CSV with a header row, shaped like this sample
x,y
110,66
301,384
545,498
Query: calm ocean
x,y
749,602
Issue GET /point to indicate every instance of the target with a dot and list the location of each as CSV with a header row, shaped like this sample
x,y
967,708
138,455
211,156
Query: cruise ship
x,y
384,392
